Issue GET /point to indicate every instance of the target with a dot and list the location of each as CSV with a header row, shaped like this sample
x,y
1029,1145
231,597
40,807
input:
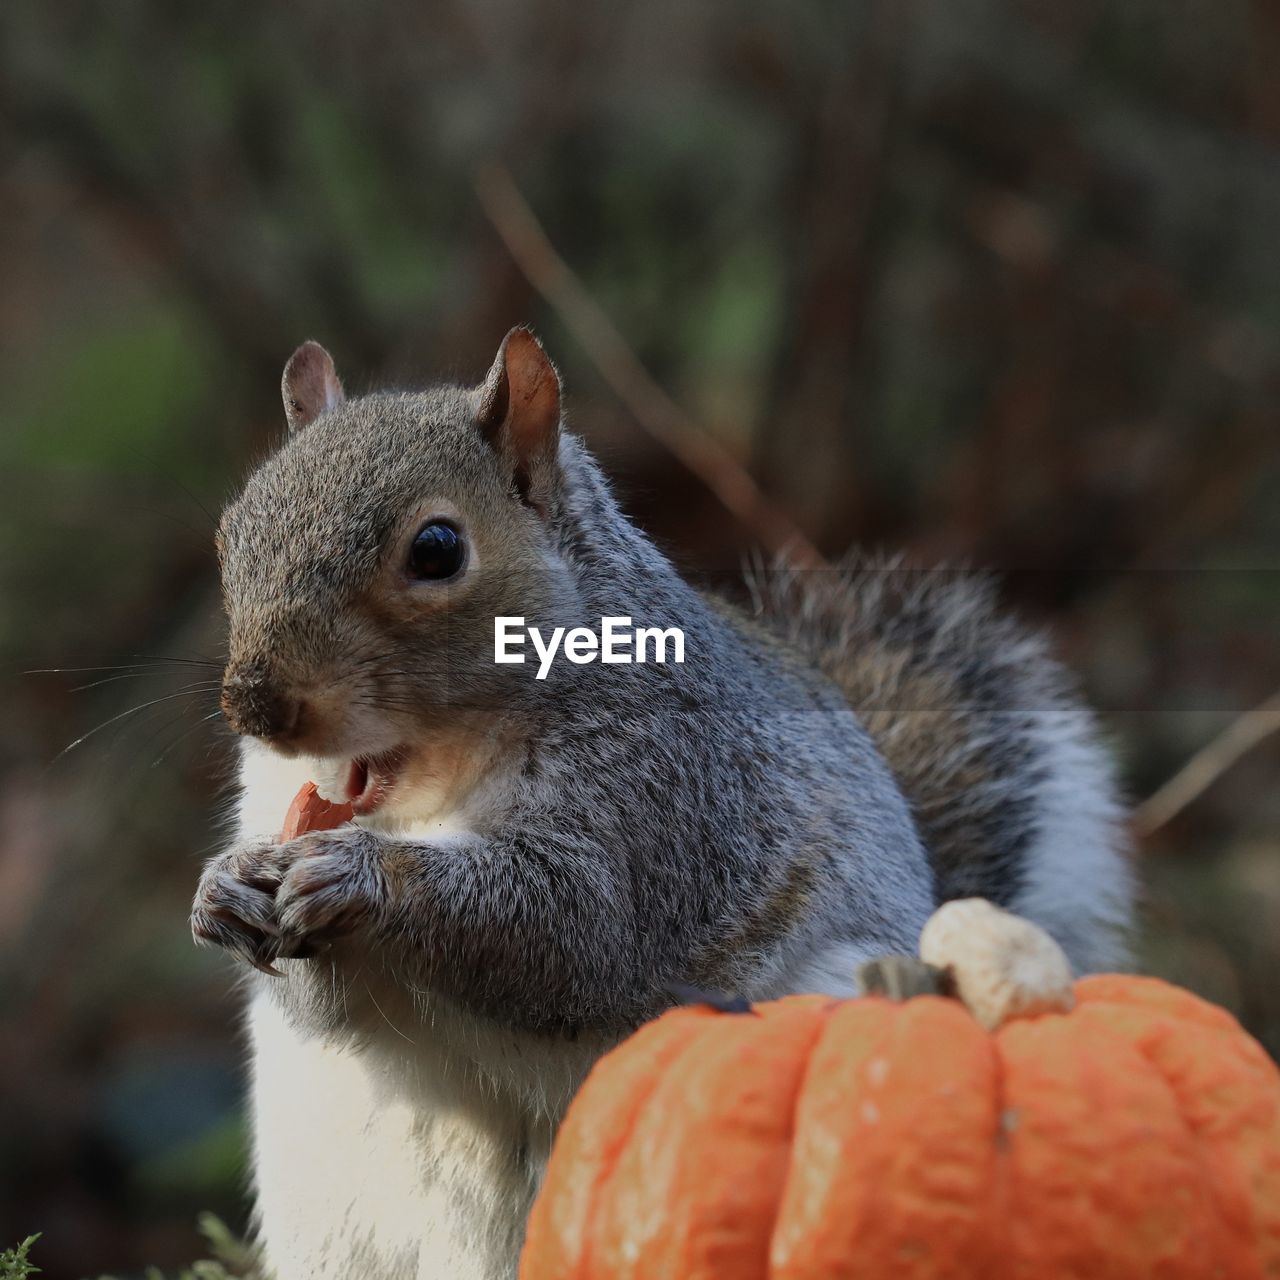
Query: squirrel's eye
x,y
437,552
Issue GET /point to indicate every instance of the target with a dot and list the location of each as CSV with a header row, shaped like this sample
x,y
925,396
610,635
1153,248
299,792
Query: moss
x,y
16,1264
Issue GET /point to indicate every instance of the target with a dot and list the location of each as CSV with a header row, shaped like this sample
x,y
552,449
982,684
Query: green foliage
x,y
15,1264
232,1258
200,1167
115,398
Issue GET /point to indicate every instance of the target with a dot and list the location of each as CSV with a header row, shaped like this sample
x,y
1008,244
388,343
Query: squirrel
x,y
535,865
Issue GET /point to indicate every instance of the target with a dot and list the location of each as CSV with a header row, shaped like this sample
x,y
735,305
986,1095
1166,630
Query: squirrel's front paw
x,y
234,905
334,885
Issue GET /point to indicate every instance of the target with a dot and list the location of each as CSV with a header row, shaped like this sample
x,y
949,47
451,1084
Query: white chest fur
x,y
376,1163
409,1153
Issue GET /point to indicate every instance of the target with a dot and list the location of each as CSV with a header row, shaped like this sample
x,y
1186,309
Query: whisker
x,y
182,737
122,666
392,1025
136,675
170,723
156,664
142,706
190,662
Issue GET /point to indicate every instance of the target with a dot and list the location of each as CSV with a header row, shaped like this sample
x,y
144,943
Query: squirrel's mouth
x,y
371,779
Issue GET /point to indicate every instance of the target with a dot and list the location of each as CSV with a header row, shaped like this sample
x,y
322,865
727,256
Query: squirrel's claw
x,y
258,955
235,908
332,888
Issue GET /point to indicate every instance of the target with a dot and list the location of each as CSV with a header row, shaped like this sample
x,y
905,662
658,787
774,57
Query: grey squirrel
x,y
534,863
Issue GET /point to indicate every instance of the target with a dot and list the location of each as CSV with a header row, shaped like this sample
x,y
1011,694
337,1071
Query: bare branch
x,y
1207,766
722,473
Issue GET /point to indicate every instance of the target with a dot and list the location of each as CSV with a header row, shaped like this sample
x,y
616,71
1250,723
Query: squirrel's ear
x,y
310,385
518,413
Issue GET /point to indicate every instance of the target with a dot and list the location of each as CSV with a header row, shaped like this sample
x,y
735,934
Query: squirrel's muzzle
x,y
256,706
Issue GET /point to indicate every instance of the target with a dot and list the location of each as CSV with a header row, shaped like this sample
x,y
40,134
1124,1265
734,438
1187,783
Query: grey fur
x,y
658,810
973,716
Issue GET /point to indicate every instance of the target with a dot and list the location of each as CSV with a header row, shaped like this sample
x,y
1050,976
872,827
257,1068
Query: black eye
x,y
437,552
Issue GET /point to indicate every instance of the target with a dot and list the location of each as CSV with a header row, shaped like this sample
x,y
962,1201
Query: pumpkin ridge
x,y
655,1041
600,1187
883,1037
853,1192
993,1193
1091,1056
1162,1026
1207,1181
773,1062
819,1029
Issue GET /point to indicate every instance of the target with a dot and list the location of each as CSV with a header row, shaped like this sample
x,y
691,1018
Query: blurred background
x,y
991,280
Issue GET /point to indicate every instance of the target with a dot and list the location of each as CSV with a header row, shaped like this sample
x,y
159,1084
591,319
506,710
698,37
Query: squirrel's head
x,y
364,563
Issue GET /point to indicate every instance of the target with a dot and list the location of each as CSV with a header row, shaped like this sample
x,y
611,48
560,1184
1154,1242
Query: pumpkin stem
x,y
903,977
1001,965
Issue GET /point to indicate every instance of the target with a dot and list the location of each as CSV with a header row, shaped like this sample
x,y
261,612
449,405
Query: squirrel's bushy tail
x,y
1012,793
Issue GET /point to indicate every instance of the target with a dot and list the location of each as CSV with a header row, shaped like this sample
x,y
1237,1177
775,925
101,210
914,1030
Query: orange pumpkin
x,y
1134,1135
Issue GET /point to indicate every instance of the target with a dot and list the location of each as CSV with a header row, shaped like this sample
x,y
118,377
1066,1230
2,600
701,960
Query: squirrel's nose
x,y
256,706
